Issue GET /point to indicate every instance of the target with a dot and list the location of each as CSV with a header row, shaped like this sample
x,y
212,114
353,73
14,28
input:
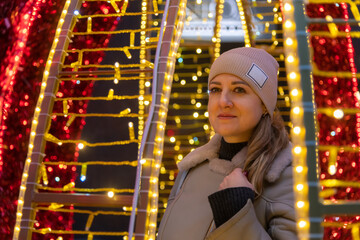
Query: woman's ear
x,y
264,110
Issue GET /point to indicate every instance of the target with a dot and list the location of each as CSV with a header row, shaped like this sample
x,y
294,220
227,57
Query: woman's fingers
x,y
236,179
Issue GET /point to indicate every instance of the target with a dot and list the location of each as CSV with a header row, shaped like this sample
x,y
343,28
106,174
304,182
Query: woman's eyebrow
x,y
214,82
232,83
240,82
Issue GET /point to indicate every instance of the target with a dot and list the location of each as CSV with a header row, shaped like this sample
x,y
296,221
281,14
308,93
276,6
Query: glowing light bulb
x,y
332,169
292,75
287,7
300,204
296,110
290,59
302,223
297,130
299,187
297,150
289,41
288,24
338,114
110,194
295,92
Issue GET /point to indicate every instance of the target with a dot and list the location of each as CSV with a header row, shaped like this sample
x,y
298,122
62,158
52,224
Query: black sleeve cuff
x,y
227,202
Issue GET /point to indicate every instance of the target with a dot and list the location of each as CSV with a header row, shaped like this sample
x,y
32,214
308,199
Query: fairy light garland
x,y
11,70
297,111
80,63
339,144
244,23
143,27
151,159
34,126
216,39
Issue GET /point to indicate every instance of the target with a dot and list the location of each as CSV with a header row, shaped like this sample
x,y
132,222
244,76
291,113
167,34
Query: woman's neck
x,y
229,150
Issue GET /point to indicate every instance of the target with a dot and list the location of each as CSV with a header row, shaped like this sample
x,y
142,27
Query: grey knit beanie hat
x,y
254,66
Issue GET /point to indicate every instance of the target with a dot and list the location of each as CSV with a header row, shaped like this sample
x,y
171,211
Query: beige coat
x,y
189,216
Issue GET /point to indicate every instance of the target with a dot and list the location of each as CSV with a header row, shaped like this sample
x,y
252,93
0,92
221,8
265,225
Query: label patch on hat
x,y
257,75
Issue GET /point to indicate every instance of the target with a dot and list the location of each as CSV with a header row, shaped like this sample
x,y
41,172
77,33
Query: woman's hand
x,y
236,179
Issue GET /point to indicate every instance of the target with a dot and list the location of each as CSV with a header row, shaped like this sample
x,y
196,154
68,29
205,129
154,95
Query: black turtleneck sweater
x,y
227,202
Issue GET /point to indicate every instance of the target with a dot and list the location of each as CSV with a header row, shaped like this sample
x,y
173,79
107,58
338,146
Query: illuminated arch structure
x,y
282,32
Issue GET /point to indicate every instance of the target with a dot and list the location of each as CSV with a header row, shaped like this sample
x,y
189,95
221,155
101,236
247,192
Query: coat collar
x,y
210,151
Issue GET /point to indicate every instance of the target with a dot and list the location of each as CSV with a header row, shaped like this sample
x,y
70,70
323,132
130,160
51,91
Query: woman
x,y
238,185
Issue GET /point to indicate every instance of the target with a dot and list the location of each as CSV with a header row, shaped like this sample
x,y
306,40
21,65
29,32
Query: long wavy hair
x,y
268,139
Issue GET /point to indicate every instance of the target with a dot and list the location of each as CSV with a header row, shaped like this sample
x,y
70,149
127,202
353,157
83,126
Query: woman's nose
x,y
226,100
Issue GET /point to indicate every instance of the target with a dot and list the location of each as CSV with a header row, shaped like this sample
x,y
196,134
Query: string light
x,y
69,187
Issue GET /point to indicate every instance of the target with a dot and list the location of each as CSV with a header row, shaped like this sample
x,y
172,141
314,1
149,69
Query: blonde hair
x,y
268,138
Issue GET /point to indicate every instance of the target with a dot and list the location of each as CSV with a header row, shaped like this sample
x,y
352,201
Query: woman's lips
x,y
226,116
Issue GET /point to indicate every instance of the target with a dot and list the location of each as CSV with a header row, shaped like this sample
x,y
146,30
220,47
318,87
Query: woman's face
x,y
234,108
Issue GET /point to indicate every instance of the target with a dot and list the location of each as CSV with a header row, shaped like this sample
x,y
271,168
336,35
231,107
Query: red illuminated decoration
x,y
336,54
30,29
331,93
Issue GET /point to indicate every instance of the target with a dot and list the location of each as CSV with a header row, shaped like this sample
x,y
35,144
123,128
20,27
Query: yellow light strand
x,y
155,6
353,34
122,163
44,175
65,105
34,124
355,232
115,6
339,183
120,115
132,39
89,222
46,231
105,66
299,150
83,170
88,190
104,78
115,97
117,14
124,7
128,55
131,131
244,23
353,6
89,25
83,211
50,138
216,38
339,74
339,148
110,94
118,31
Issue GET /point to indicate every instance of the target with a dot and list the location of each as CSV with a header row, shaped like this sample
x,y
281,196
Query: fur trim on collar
x,y
210,151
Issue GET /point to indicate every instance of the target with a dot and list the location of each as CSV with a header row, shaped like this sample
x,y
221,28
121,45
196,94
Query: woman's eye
x,y
239,90
214,90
